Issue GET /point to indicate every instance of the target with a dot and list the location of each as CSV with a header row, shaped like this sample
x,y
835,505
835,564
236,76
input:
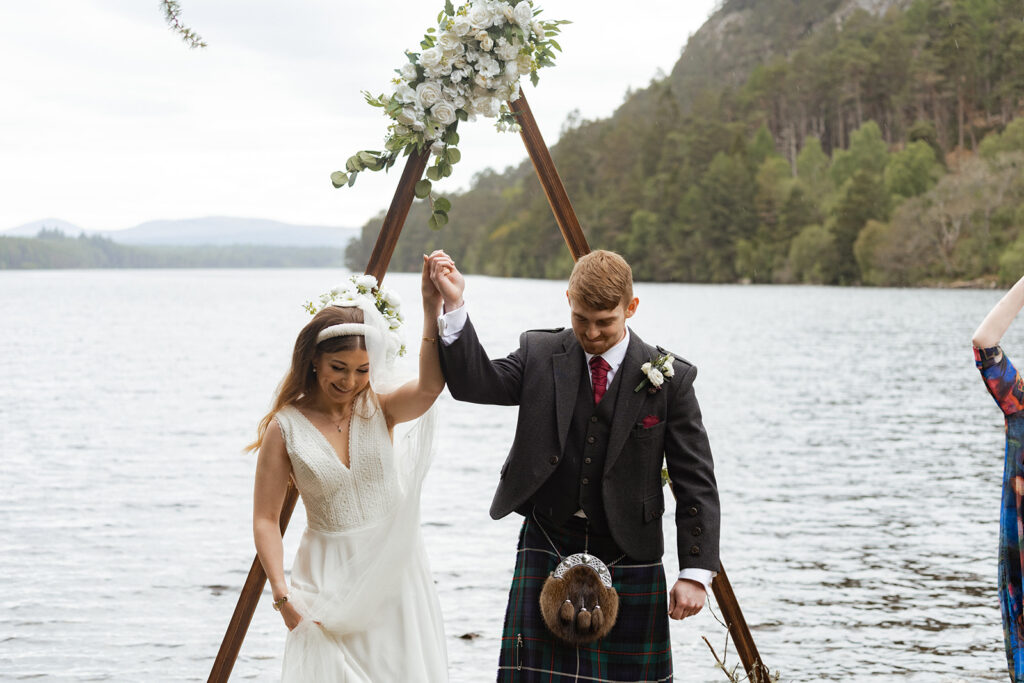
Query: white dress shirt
x,y
449,327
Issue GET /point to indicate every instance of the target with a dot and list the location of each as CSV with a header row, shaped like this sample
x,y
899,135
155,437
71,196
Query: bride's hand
x,y
291,616
431,294
448,280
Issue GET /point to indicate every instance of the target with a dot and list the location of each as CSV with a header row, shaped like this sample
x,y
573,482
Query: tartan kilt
x,y
637,649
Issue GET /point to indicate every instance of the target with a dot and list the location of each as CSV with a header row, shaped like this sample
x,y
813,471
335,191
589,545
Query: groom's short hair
x,y
601,280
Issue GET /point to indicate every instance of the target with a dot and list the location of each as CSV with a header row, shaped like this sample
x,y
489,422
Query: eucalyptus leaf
x,y
449,9
352,179
339,178
442,204
367,158
433,223
462,114
422,189
434,173
534,78
451,137
441,218
353,164
453,155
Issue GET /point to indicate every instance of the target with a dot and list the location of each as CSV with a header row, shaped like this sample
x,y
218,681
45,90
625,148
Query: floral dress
x,y
1007,387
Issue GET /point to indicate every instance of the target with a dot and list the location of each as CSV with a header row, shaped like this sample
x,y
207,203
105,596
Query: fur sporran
x,y
578,602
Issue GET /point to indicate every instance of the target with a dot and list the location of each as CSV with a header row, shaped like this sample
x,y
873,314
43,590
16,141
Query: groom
x,y
584,470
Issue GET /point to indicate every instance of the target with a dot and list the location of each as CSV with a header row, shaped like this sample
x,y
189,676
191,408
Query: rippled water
x,y
858,458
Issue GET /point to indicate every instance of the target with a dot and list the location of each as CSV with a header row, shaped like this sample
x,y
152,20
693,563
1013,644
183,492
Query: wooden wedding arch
x,y
387,239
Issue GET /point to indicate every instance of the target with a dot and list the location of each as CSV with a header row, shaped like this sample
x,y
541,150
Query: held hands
x,y
686,599
446,279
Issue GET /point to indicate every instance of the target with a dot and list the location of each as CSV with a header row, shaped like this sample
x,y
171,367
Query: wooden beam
x,y
757,672
566,218
387,239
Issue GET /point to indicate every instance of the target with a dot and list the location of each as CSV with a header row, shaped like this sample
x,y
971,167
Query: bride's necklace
x,y
340,423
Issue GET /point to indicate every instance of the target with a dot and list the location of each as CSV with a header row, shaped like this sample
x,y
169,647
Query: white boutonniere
x,y
656,373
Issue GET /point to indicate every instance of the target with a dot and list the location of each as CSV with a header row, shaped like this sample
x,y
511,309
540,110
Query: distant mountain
x,y
214,230
32,229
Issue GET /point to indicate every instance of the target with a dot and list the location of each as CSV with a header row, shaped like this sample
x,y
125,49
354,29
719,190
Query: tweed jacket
x,y
542,377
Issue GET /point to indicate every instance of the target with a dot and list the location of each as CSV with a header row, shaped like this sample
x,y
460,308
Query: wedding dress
x,y
361,579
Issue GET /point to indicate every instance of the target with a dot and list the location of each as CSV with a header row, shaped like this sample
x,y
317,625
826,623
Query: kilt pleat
x,y
637,649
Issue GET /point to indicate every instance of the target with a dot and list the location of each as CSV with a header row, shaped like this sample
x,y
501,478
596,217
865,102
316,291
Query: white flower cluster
x,y
658,371
361,289
470,67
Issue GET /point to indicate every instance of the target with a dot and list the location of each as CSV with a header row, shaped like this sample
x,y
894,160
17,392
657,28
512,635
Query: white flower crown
x,y
363,289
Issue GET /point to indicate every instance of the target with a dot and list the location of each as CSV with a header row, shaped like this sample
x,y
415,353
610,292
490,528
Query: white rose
x,y
668,370
486,42
508,51
657,379
456,76
407,116
428,94
408,71
437,147
511,72
390,298
461,26
645,368
523,15
406,95
448,41
481,17
444,113
472,55
538,30
431,57
506,11
367,281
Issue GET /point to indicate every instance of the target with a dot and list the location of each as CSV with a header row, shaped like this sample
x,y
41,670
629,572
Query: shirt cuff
x,y
449,325
701,576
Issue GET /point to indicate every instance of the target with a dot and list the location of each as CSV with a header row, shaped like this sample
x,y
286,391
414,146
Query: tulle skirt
x,y
379,619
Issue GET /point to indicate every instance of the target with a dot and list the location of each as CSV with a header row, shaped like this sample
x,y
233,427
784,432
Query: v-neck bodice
x,y
338,497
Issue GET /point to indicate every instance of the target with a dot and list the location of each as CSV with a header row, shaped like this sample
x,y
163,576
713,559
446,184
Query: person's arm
x,y
470,374
691,470
998,320
272,471
415,397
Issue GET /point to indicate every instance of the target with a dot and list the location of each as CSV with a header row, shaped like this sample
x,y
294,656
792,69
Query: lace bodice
x,y
338,497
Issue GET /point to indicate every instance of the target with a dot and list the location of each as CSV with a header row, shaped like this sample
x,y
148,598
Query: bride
x,y
362,605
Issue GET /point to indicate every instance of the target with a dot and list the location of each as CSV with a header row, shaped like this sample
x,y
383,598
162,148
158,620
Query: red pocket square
x,y
650,421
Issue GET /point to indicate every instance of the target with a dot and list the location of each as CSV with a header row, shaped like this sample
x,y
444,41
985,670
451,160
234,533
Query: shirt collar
x,y
615,355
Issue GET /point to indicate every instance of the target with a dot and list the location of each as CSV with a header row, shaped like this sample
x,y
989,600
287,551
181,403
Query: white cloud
x,y
108,120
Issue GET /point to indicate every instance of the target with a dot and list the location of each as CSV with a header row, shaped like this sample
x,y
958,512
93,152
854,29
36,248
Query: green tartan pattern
x,y
637,649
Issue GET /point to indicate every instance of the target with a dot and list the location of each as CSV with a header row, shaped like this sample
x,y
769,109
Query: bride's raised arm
x,y
415,397
998,320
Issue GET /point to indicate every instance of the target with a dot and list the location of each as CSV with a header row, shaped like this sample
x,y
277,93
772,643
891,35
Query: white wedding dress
x,y
361,578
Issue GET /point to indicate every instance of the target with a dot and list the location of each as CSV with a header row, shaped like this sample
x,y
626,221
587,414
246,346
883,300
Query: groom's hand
x,y
686,599
447,278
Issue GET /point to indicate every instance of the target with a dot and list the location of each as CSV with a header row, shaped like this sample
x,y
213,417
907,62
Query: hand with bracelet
x,y
286,607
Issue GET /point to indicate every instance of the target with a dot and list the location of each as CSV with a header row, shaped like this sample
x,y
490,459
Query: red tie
x,y
599,374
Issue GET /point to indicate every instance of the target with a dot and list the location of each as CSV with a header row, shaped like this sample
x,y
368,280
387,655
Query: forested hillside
x,y
812,141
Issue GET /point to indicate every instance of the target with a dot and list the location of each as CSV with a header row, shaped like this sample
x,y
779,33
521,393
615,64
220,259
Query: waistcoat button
x,y
593,418
586,481
553,460
591,439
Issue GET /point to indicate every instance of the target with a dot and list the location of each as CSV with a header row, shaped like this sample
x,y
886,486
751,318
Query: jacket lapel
x,y
568,371
629,402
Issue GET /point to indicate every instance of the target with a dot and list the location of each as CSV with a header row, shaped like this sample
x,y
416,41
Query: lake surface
x,y
858,456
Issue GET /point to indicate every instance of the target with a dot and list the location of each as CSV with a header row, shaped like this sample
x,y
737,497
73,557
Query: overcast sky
x,y
107,119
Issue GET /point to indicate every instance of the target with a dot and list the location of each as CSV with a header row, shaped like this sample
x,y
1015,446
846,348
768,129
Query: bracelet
x,y
430,339
280,602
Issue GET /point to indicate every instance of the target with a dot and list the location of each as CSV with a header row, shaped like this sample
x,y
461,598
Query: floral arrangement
x,y
656,372
470,66
362,288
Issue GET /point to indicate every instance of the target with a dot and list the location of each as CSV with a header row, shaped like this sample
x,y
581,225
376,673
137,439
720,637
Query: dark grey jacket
x,y
542,377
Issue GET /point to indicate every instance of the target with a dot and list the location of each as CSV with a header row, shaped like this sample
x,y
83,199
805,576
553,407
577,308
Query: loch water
x,y
858,457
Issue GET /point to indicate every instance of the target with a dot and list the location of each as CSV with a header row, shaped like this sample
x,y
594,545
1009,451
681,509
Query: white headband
x,y
347,330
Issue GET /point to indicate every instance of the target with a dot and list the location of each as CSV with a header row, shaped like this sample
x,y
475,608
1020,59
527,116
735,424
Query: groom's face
x,y
600,330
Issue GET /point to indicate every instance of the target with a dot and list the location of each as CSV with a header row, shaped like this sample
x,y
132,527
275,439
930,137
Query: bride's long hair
x,y
300,380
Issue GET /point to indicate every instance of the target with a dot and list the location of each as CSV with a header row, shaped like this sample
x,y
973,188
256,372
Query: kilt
x,y
637,649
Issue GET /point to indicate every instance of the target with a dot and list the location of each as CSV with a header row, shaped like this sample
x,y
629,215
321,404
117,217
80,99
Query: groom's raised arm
x,y
470,374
